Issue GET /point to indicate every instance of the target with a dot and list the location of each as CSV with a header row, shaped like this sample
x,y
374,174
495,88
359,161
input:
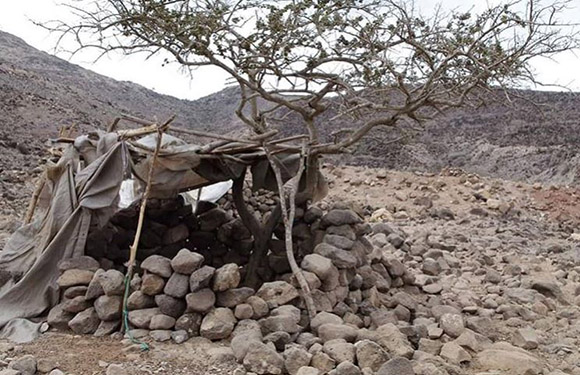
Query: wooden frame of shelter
x,y
84,186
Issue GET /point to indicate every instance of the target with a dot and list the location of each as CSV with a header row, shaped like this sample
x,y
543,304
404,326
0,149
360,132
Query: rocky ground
x,y
496,279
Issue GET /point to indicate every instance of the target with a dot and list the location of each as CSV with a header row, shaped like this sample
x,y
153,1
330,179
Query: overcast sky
x,y
15,15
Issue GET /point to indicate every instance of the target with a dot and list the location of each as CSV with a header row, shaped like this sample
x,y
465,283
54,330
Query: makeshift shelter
x,y
83,190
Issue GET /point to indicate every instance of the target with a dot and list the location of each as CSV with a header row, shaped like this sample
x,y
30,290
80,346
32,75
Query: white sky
x,y
15,18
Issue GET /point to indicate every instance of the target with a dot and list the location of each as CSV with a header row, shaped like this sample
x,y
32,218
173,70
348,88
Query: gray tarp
x,y
33,253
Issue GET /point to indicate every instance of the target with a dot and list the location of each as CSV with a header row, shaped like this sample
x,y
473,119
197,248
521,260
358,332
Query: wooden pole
x,y
135,245
34,200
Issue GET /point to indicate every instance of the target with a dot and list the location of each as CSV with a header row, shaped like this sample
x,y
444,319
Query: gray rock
x,y
109,308
347,368
58,318
324,318
190,323
213,219
201,278
201,301
398,366
76,304
142,318
243,311
112,282
80,263
158,265
177,286
85,322
139,300
25,364
514,361
75,277
452,324
285,323
160,335
454,353
179,337
95,290
289,310
10,371
262,359
317,264
339,350
186,262
338,241
370,355
226,277
233,297
152,284
45,365
492,276
526,338
307,370
75,291
240,344
161,322
339,217
174,307
405,300
322,362
340,258
175,234
218,324
259,306
277,293
296,357
331,331
395,342
432,347
279,339
106,328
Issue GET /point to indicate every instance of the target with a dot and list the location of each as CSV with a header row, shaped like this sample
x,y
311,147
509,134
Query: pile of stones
x,y
357,287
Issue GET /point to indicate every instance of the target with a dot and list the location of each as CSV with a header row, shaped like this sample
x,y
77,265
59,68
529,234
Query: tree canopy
x,y
294,55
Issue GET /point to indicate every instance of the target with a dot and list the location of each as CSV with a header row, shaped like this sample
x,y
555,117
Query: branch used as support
x,y
134,246
289,191
34,200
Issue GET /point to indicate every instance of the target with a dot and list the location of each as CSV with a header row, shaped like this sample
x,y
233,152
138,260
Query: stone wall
x,y
197,292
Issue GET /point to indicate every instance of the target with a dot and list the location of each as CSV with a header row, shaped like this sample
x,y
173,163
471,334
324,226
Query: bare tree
x,y
376,60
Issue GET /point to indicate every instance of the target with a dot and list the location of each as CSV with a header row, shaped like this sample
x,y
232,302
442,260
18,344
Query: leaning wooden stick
x,y
34,200
134,246
289,190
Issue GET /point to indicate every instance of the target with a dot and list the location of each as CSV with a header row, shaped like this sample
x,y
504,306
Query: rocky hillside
x,y
39,93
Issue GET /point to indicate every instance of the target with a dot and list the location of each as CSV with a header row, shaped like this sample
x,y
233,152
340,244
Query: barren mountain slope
x,y
39,93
